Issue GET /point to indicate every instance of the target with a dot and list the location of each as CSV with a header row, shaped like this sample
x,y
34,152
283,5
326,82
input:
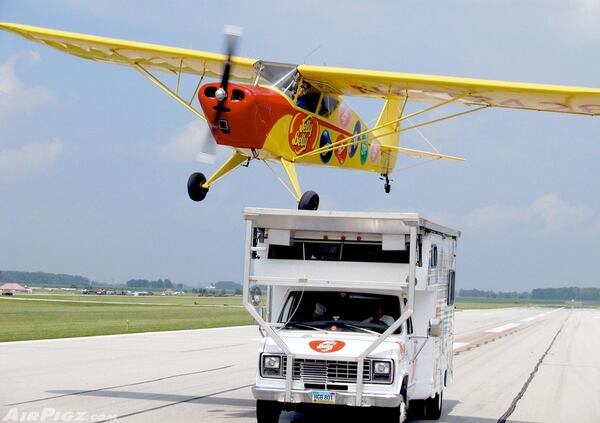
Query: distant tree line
x,y
569,293
53,279
477,293
43,279
158,284
206,292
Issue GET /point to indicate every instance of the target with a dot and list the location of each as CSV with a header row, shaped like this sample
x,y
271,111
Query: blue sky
x,y
94,159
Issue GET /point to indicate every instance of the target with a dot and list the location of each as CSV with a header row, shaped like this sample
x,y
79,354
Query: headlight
x,y
271,366
272,362
381,368
382,371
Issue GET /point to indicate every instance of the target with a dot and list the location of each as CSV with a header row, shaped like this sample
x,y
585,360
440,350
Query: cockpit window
x,y
328,105
288,83
303,94
308,97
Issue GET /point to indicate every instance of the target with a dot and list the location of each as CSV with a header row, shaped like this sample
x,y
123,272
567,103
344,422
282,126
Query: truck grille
x,y
327,371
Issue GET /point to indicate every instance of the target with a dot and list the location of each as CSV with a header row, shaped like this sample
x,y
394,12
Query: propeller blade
x,y
232,36
208,150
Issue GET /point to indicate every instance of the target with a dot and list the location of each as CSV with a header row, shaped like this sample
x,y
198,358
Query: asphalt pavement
x,y
517,365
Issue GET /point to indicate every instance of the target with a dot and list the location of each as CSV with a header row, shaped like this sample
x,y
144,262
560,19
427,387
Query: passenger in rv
x,y
379,316
318,311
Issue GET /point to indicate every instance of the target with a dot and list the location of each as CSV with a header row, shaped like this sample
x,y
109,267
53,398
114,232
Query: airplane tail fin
x,y
389,135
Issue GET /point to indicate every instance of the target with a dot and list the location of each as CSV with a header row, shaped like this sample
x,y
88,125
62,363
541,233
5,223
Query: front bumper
x,y
341,397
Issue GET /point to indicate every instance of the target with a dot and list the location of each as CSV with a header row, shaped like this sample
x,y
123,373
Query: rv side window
x,y
338,251
433,256
451,277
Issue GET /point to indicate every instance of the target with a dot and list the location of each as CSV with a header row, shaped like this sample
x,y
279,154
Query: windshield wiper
x,y
348,325
303,325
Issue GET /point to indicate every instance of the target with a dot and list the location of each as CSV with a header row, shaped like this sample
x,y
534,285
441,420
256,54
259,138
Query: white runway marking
x,y
503,328
532,318
458,345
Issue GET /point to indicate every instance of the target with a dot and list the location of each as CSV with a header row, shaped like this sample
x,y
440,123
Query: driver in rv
x,y
379,316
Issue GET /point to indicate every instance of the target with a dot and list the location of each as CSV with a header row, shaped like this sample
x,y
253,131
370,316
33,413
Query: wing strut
x,y
351,139
295,190
173,94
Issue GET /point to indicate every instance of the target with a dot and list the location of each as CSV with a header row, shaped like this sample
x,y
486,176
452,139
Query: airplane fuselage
x,y
263,122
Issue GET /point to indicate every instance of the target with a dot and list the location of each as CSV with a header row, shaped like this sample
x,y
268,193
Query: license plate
x,y
323,397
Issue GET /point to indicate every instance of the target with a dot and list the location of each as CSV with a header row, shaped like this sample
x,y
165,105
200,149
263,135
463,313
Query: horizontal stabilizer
x,y
420,153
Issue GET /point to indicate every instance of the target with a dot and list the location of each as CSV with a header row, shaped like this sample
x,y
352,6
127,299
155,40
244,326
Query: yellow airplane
x,y
294,114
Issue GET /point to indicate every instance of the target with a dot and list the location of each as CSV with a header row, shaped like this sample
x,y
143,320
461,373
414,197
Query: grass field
x,y
60,316
103,315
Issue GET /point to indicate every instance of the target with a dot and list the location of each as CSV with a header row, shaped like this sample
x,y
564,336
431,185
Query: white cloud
x,y
185,146
15,97
31,157
548,211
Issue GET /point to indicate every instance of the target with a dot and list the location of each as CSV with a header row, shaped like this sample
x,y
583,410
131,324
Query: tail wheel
x,y
433,407
194,186
309,201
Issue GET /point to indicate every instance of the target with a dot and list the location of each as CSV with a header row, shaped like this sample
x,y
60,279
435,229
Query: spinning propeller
x,y
208,148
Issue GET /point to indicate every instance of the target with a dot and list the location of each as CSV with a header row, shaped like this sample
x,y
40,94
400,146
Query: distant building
x,y
14,288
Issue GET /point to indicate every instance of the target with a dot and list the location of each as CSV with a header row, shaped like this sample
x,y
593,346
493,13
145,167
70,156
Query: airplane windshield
x,y
288,84
272,73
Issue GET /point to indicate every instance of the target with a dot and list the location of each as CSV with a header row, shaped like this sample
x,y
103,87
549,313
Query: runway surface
x,y
522,364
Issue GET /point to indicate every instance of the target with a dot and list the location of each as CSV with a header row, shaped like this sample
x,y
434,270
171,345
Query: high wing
x,y
468,91
131,53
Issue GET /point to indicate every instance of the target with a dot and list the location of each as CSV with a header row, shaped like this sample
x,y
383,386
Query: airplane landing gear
x,y
309,201
386,187
194,186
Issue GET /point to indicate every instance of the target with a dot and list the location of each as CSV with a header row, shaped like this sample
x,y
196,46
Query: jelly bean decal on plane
x,y
344,115
354,145
375,153
341,152
364,150
325,141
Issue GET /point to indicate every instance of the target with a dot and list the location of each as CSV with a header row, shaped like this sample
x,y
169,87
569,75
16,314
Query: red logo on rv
x,y
328,346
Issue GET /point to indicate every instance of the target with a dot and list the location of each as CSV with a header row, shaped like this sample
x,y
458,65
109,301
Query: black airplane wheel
x,y
194,186
309,201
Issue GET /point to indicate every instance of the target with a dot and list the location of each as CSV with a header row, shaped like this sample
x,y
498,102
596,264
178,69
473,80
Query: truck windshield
x,y
340,311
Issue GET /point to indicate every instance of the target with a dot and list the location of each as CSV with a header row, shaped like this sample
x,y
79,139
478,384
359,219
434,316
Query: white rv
x,y
359,310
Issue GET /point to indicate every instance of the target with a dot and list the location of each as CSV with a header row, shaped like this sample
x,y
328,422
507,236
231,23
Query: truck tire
x,y
416,409
267,411
433,407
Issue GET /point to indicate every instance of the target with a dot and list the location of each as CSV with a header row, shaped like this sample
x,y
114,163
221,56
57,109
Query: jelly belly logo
x,y
303,132
326,346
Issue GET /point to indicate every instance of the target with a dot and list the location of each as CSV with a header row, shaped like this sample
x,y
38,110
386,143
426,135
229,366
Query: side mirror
x,y
435,328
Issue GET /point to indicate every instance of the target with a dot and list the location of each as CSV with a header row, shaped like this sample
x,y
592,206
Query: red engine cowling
x,y
247,115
